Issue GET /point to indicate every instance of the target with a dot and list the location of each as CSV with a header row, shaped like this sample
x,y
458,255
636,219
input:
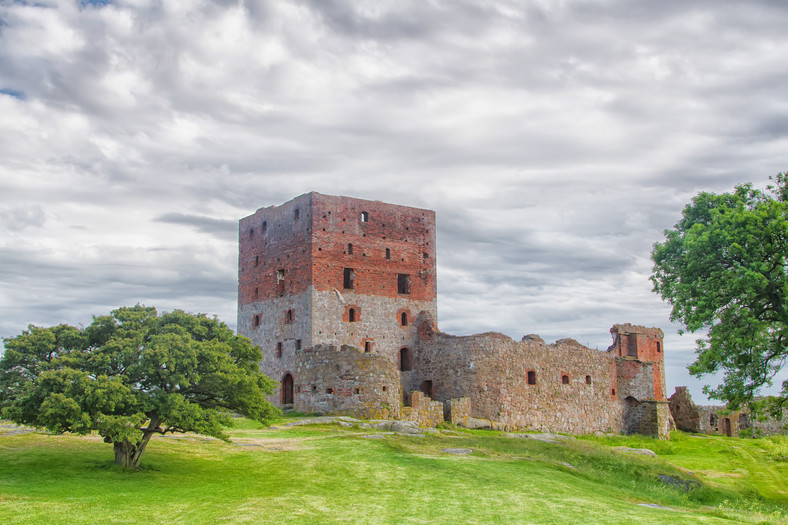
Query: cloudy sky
x,y
555,139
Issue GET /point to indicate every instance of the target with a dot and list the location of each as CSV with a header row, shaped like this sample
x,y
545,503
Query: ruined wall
x,y
571,383
684,411
346,380
423,411
340,294
458,410
767,426
709,419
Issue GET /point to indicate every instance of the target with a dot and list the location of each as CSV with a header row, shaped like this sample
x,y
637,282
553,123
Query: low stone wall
x,y
423,411
459,409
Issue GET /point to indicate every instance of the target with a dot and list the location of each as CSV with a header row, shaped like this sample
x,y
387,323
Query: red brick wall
x,y
282,244
408,234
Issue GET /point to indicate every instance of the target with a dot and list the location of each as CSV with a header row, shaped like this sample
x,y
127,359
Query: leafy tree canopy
x,y
723,269
133,374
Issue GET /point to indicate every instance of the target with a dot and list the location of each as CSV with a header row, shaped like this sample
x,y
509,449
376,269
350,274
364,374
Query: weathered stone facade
x,y
707,419
340,295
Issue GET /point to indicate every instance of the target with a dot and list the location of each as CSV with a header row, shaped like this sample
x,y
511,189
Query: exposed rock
x,y
640,451
406,427
546,437
457,450
654,506
685,485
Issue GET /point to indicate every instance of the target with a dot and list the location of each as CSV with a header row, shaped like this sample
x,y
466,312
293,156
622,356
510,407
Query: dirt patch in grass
x,y
716,474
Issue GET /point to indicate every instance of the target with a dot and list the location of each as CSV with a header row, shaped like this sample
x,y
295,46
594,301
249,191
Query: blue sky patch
x,y
13,93
97,3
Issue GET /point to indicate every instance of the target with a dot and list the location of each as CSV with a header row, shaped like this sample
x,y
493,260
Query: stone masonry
x,y
707,419
340,295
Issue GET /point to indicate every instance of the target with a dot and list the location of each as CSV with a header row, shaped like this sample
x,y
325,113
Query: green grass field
x,y
328,474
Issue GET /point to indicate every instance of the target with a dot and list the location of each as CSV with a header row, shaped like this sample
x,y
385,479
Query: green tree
x,y
723,269
133,374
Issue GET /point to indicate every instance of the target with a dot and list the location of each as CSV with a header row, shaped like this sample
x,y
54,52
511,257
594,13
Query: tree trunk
x,y
124,452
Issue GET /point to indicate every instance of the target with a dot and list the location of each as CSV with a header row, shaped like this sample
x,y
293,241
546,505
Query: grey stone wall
x,y
493,371
377,321
345,380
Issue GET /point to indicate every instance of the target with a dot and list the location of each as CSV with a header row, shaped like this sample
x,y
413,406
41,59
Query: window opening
x,y
280,282
403,319
279,349
329,390
357,391
256,261
613,392
350,249
564,379
296,214
364,216
659,347
256,292
265,226
289,316
588,380
426,387
531,377
256,321
367,347
251,232
298,344
403,283
351,315
349,278
405,360
388,253
385,388
632,345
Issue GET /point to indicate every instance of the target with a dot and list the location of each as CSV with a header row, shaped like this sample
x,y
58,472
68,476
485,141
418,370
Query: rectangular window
x,y
298,344
280,282
279,349
349,279
403,283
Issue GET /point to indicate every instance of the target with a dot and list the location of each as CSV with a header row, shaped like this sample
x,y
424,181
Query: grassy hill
x,y
329,474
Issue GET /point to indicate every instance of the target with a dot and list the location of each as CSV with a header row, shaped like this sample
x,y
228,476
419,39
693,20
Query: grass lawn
x,y
327,474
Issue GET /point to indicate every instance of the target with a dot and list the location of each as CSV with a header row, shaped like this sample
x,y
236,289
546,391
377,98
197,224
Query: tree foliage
x,y
723,269
133,374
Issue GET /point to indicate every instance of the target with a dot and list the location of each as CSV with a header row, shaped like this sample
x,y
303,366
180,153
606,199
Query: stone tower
x,y
640,379
325,271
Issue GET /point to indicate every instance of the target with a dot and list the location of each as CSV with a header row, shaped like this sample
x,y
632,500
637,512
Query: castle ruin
x,y
340,295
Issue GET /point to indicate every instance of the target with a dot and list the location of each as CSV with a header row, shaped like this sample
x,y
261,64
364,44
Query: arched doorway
x,y
405,360
286,389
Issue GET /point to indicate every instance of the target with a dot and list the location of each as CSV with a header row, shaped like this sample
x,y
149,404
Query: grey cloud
x,y
555,140
222,228
19,218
